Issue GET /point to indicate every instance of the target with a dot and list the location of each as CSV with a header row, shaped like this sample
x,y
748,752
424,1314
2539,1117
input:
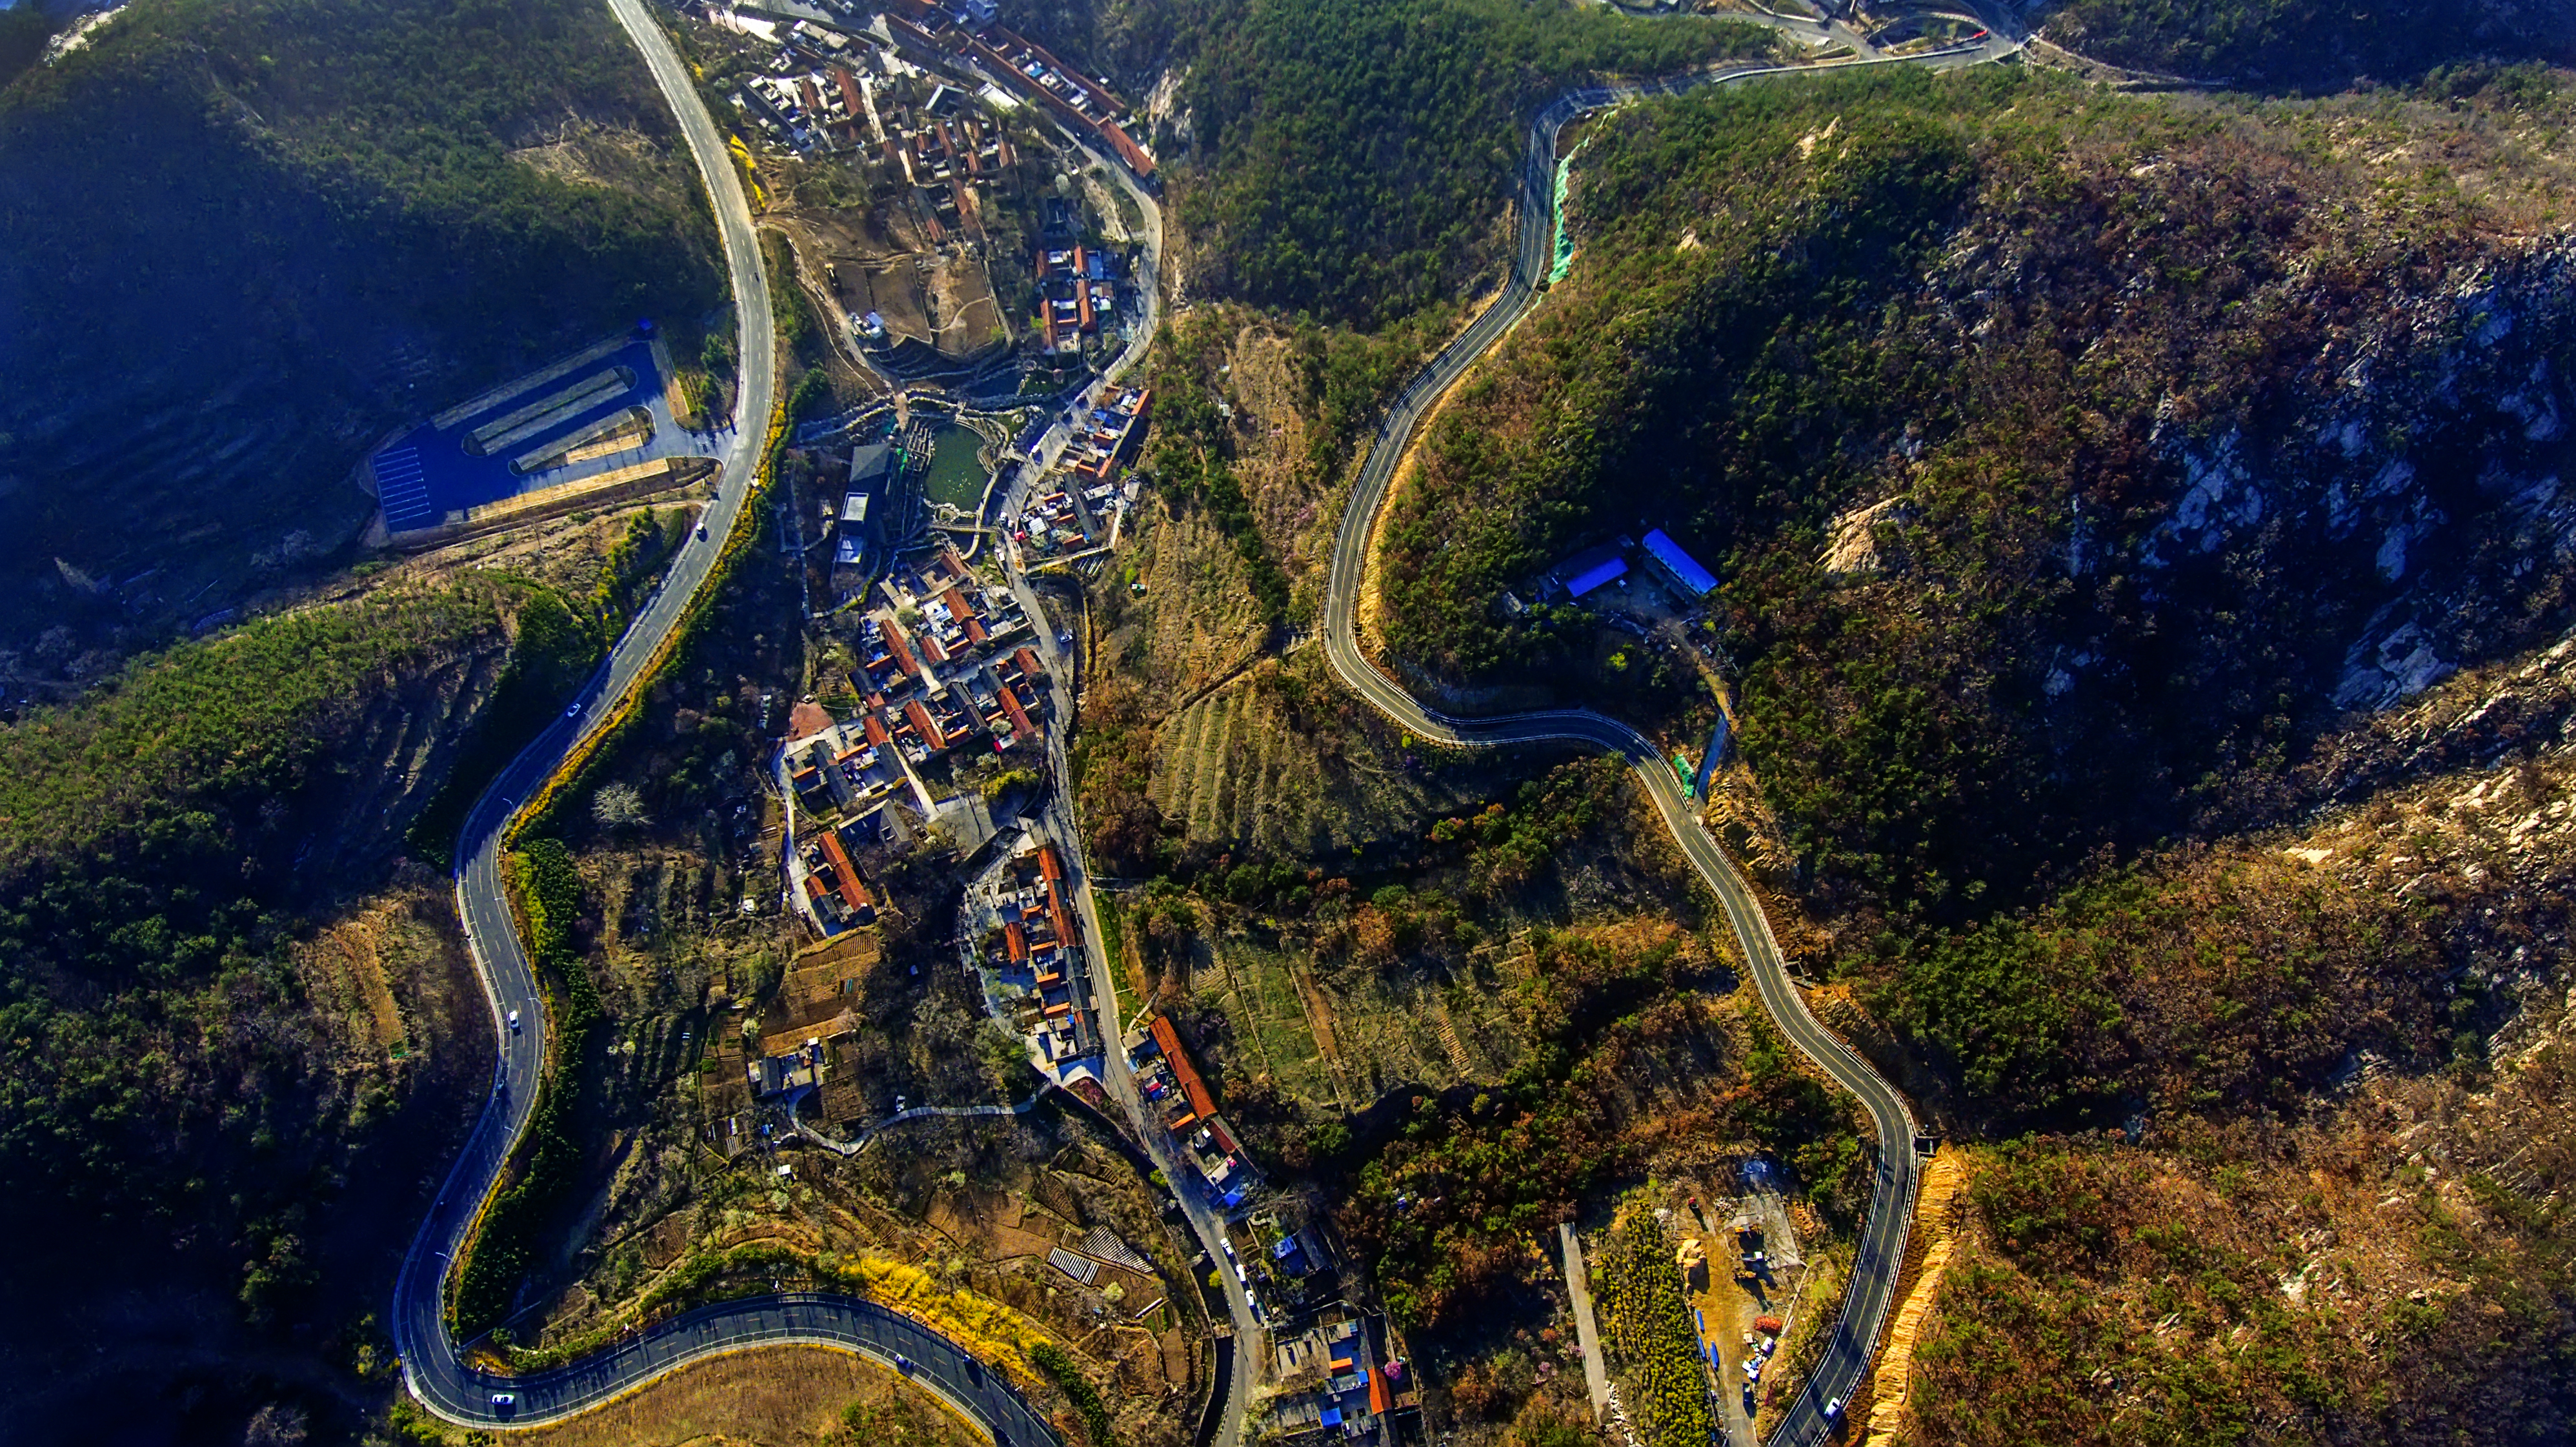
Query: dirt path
x,y
1587,1335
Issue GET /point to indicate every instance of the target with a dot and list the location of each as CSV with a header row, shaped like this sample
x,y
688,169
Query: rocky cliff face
x,y
2419,464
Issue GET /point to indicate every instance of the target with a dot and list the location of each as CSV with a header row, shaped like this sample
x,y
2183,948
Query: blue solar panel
x,y
427,474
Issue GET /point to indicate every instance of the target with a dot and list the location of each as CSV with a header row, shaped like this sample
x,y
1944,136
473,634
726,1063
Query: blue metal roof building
x,y
1681,567
1593,577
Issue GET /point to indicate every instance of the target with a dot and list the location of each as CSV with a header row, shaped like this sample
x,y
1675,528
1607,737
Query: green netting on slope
x,y
1564,243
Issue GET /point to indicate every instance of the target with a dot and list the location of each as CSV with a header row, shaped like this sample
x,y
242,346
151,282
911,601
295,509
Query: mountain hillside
x,y
2341,1057
2311,46
2145,561
240,241
2069,459
234,1030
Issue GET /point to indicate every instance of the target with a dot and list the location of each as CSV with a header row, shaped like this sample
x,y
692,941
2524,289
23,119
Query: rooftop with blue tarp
x,y
1594,576
1683,568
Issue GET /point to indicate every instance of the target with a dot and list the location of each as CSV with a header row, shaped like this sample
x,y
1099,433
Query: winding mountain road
x,y
433,1367
434,1370
1881,1253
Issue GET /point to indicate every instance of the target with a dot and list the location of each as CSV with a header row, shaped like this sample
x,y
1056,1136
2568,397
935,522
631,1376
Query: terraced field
x,y
1235,769
1343,1039
1195,618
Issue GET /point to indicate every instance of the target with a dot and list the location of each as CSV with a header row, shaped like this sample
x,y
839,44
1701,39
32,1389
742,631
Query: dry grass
x,y
773,1397
1250,766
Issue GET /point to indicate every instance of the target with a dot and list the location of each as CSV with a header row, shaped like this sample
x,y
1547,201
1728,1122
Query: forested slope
x,y
2309,45
226,1051
1349,159
1357,151
2068,459
2098,484
238,241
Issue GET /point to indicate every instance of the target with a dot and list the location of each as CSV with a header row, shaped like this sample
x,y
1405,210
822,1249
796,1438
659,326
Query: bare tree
x,y
618,806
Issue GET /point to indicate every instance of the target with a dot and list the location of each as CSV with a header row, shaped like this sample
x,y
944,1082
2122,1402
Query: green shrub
x,y
546,1167
1062,1370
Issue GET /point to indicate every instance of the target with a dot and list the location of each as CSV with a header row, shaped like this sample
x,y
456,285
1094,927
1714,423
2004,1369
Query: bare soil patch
x,y
770,1397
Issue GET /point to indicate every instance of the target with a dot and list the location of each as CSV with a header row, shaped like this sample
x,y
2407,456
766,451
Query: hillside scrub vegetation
x,y
2004,408
2309,45
2325,1076
1354,155
342,234
2233,978
193,1068
2323,1282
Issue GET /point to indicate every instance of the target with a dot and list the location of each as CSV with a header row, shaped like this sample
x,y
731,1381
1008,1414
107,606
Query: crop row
x,y
1652,1340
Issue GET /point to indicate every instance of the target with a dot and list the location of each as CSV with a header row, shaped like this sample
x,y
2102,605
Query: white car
x,y
504,1399
1833,1409
514,1022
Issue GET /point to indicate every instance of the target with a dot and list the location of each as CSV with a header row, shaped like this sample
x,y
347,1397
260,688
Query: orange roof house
x,y
902,649
924,725
1182,1071
846,874
1019,716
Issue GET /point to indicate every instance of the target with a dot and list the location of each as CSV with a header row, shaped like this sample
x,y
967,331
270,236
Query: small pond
x,y
955,476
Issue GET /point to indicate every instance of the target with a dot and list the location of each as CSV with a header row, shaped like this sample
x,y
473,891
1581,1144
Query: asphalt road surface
x,y
432,1368
1882,1245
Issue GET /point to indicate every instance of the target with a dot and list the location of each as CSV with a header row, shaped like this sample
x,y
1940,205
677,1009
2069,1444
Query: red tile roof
x,y
853,893
902,649
923,723
1019,715
1187,1074
806,720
